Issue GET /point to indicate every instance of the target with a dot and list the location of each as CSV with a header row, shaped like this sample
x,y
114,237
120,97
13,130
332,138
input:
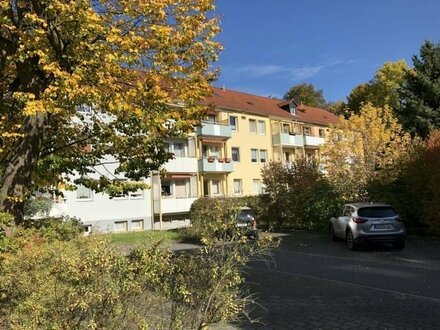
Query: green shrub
x,y
299,196
85,282
62,229
215,217
413,187
39,206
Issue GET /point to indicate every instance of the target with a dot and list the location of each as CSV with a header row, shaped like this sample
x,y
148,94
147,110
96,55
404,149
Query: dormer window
x,y
292,108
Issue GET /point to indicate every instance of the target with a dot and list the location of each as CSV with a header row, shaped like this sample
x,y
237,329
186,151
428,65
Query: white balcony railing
x,y
214,129
220,165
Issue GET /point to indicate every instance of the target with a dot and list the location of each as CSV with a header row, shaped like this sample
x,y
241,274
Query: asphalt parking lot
x,y
313,283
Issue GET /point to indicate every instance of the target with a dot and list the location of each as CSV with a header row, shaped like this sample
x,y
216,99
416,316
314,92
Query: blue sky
x,y
270,45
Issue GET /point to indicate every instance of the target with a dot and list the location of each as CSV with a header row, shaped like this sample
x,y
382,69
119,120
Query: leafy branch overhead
x,y
127,66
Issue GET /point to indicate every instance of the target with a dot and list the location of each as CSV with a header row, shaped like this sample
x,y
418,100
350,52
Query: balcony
x,y
214,129
314,141
220,165
289,140
176,205
181,165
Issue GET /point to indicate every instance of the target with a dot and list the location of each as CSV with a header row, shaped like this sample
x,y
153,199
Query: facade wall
x,y
252,137
223,157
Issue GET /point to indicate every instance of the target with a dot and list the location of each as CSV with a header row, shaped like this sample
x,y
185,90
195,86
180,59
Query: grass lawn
x,y
141,236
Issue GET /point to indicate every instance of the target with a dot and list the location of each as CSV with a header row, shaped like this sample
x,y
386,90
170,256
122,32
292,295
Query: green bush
x,y
85,282
62,229
215,217
413,187
39,206
299,196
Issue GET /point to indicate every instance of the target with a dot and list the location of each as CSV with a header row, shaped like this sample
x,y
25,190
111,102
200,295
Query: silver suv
x,y
368,222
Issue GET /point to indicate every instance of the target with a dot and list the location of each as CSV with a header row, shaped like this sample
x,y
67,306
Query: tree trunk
x,y
17,176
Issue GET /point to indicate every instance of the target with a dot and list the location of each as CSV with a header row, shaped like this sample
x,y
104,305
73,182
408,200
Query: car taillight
x,y
253,224
359,220
399,219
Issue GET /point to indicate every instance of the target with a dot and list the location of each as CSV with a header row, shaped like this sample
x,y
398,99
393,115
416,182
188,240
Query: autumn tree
x,y
130,66
360,147
307,94
382,90
420,94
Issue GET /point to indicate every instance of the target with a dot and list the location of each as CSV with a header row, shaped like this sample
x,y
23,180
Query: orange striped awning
x,y
178,175
213,141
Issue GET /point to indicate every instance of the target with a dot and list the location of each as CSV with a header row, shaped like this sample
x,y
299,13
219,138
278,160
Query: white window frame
x,y
238,154
235,126
239,189
137,221
138,194
256,156
125,223
256,183
263,151
253,125
261,130
89,198
219,191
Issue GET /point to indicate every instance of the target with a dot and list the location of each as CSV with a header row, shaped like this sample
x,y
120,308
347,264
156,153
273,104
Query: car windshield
x,y
245,215
377,212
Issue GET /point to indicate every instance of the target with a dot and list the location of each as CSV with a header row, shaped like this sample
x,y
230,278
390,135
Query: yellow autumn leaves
x,y
363,145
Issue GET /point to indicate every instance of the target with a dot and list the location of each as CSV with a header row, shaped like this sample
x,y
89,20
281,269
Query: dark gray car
x,y
368,222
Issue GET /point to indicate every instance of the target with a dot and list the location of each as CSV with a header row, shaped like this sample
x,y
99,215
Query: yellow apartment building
x,y
247,131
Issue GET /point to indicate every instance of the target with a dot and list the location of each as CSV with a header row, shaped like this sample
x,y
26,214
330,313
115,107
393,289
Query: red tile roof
x,y
265,106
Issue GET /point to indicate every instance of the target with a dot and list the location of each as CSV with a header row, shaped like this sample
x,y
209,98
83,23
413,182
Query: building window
x,y
307,130
286,128
263,156
211,118
254,155
321,133
83,193
138,194
215,187
166,146
235,152
233,122
178,150
253,126
167,188
181,190
87,229
120,225
137,225
257,186
261,127
237,187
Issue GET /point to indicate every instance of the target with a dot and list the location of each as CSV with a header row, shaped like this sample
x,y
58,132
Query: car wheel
x,y
399,245
332,233
350,240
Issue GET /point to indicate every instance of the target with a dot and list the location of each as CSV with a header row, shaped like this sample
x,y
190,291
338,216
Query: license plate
x,y
241,225
382,227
